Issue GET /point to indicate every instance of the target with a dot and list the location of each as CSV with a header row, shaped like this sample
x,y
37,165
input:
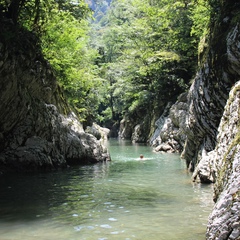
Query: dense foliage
x,y
148,52
136,54
62,27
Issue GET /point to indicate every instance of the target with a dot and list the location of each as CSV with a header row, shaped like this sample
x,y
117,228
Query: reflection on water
x,y
127,198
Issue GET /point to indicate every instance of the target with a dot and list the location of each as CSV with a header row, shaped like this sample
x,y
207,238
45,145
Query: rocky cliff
x,y
212,121
224,221
169,135
200,115
139,126
219,70
38,130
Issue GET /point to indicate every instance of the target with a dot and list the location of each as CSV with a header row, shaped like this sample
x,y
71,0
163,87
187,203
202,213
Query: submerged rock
x,y
38,130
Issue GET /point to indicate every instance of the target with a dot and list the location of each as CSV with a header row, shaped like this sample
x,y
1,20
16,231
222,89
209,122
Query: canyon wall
x,y
212,122
199,116
38,129
219,70
224,221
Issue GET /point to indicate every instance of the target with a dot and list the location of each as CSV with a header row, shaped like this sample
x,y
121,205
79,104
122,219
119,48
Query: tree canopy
x,y
149,51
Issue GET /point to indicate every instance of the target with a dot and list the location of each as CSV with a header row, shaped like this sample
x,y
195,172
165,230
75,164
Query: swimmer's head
x,y
141,156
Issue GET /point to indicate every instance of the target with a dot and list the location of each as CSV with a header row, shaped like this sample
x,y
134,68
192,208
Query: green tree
x,y
65,45
33,13
62,28
148,48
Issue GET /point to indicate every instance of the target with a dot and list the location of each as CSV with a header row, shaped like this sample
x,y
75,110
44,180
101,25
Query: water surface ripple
x,y
126,199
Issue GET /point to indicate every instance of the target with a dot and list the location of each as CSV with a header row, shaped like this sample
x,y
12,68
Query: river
x,y
125,199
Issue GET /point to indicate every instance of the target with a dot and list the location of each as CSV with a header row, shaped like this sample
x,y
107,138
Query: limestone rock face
x,y
125,130
224,221
140,133
219,70
212,123
169,135
38,130
98,131
136,131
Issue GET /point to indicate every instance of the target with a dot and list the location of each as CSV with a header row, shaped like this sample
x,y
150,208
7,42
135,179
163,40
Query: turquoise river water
x,y
125,199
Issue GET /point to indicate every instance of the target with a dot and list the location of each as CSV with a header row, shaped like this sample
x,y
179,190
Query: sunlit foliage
x,y
149,51
135,55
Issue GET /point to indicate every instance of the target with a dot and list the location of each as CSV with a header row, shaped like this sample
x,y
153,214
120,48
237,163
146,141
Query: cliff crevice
x,y
224,221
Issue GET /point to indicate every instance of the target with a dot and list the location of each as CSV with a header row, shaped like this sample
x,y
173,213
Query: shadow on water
x,y
30,196
127,198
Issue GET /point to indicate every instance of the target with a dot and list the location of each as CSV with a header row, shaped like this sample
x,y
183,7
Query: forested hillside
x,y
147,57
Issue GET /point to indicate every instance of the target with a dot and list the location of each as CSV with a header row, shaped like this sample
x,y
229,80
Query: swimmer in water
x,y
141,156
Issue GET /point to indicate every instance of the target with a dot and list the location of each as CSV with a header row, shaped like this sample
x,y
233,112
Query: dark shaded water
x,y
128,198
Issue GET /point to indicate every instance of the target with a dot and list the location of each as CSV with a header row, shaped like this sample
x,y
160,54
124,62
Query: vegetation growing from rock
x,y
39,131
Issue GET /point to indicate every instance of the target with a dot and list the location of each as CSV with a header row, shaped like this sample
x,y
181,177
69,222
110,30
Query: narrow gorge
x,y
203,125
40,131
